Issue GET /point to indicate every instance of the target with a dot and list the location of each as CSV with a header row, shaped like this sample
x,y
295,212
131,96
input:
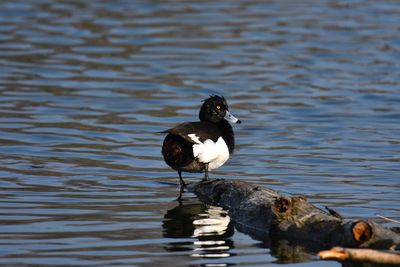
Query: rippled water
x,y
86,85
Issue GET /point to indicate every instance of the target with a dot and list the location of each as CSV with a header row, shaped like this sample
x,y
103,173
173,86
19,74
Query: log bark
x,y
267,215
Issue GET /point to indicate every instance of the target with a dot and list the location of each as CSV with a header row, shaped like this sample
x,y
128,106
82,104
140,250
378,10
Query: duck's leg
x,y
205,172
183,185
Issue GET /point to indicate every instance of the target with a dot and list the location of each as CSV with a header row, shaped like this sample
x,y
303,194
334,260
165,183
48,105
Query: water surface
x,y
85,87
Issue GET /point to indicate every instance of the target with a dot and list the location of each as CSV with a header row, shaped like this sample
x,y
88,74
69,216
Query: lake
x,y
86,87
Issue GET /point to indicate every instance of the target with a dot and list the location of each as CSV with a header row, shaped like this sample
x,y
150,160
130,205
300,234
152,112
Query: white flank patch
x,y
215,154
195,138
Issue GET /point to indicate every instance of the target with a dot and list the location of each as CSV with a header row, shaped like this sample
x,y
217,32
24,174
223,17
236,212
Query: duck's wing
x,y
196,132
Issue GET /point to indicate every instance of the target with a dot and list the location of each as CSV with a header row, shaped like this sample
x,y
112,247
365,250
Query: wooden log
x,y
266,215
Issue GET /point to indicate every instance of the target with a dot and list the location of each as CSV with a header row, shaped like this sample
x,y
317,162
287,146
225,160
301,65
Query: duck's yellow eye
x,y
218,107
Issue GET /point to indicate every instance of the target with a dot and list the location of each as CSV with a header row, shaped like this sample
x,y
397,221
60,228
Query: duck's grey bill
x,y
229,117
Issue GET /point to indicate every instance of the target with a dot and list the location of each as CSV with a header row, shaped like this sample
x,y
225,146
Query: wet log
x,y
361,254
267,215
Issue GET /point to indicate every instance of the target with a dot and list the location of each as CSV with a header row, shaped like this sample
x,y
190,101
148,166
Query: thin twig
x,y
388,219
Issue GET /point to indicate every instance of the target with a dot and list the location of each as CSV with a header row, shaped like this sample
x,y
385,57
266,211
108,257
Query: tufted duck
x,y
204,145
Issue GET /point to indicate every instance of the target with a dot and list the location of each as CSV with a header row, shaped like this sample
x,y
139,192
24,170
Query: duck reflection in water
x,y
208,232
209,226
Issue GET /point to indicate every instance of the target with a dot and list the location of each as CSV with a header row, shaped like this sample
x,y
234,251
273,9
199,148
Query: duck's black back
x,y
202,129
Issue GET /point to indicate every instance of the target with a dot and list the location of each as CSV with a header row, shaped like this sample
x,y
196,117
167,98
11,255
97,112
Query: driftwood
x,y
266,215
361,254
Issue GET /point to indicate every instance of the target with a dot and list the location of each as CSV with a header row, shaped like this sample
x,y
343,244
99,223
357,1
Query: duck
x,y
203,145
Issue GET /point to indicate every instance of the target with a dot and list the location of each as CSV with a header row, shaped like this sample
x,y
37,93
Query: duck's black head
x,y
215,109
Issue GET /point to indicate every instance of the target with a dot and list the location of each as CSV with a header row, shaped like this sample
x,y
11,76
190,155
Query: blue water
x,y
86,85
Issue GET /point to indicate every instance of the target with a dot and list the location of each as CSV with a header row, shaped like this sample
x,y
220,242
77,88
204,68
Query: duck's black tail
x,y
177,151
